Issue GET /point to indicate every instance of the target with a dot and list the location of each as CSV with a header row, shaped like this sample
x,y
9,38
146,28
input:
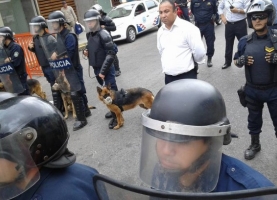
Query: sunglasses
x,y
260,17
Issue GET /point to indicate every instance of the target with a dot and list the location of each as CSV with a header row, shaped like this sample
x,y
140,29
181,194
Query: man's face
x,y
8,171
56,26
167,14
179,156
2,40
91,24
65,5
259,21
37,29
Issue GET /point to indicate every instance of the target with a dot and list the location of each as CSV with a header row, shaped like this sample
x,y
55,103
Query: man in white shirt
x,y
70,15
233,15
179,43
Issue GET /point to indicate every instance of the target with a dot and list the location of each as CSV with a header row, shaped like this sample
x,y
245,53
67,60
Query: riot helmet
x,y
6,95
55,21
37,24
5,33
92,20
97,7
183,134
261,6
36,137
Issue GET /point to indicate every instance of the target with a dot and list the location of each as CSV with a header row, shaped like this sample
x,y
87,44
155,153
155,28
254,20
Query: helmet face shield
x,y
35,28
181,162
18,171
92,24
53,26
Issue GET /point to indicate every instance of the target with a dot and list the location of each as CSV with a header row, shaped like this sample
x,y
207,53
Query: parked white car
x,y
133,18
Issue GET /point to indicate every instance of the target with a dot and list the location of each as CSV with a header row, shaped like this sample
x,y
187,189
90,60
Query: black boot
x,y
209,63
254,147
57,100
109,115
81,120
113,121
87,112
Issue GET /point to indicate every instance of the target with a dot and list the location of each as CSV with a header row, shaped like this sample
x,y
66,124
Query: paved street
x,y
116,153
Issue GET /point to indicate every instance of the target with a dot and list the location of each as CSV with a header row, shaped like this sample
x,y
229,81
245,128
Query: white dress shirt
x,y
224,5
178,45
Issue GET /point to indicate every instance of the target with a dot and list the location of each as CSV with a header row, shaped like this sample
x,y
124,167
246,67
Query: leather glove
x,y
242,60
271,58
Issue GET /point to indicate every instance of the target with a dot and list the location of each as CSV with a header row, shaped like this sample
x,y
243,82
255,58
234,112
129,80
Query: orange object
x,y
32,65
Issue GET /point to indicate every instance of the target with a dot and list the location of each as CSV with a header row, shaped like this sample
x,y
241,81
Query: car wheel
x,y
131,34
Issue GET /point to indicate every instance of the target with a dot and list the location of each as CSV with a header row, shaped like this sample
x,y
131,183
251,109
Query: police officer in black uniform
x,y
257,53
205,15
79,98
37,28
15,56
101,53
35,161
183,5
109,25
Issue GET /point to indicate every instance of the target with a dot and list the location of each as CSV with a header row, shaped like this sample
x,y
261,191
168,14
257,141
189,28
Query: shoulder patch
x,y
269,49
16,54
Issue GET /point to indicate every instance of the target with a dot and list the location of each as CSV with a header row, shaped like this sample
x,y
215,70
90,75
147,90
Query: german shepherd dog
x,y
63,86
34,88
119,101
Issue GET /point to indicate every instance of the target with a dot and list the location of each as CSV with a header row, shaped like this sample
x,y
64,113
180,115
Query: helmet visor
x,y
18,172
53,26
180,162
92,24
35,28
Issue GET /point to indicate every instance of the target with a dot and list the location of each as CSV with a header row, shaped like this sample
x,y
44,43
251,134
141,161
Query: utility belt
x,y
262,87
248,102
203,24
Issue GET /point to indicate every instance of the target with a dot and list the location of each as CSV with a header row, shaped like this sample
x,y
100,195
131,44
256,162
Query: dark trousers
x,y
83,91
109,78
190,74
255,120
232,30
185,11
207,30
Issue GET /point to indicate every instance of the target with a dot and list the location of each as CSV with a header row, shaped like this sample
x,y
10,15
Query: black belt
x,y
262,87
235,22
203,24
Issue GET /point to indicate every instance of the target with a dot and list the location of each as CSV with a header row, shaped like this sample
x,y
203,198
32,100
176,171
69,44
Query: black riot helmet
x,y
261,6
187,118
53,18
6,32
92,20
37,23
6,95
50,140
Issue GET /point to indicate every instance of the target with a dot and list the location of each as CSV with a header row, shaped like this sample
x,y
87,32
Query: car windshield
x,y
121,11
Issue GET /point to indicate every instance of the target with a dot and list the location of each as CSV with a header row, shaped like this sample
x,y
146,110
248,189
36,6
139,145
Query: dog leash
x,y
95,77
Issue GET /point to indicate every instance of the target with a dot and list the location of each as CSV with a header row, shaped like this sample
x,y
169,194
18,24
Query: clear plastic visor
x,y
35,28
180,162
53,26
92,24
18,172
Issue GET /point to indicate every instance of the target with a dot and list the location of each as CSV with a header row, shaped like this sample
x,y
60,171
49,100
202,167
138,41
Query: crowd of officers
x,y
53,30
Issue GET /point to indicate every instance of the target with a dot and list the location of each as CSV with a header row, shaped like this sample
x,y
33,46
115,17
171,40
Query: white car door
x,y
141,18
153,12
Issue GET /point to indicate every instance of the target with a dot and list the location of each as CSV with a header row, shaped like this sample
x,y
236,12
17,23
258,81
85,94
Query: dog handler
x,y
257,53
67,43
101,53
38,27
35,162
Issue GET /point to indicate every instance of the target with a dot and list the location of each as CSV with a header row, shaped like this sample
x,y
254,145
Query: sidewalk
x,y
82,41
